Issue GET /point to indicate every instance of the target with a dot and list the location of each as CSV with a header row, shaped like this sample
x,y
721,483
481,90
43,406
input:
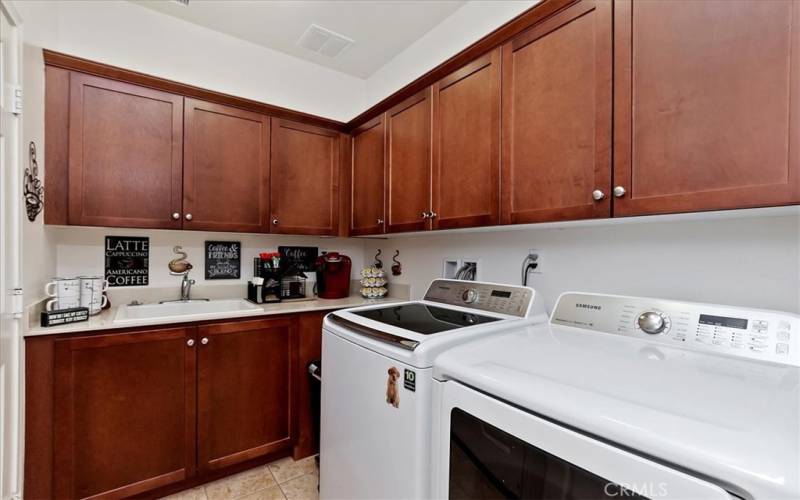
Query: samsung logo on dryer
x,y
588,306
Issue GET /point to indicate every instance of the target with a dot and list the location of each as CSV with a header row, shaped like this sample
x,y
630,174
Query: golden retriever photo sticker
x,y
392,394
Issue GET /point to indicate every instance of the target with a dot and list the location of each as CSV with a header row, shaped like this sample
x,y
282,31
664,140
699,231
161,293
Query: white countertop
x,y
105,320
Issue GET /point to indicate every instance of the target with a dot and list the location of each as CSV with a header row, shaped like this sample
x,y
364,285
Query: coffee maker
x,y
333,276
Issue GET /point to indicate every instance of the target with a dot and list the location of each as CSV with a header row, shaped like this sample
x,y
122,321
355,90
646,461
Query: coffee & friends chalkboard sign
x,y
223,260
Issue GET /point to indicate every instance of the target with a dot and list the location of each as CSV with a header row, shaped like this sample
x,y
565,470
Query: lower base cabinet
x,y
124,413
149,411
245,390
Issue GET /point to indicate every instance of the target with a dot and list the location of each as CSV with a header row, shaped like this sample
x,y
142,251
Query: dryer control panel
x,y
750,333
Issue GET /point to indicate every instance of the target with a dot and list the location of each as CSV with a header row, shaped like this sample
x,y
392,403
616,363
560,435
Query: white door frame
x,y
11,300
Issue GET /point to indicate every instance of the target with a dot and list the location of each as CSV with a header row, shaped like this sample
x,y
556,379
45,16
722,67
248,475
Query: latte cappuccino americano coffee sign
x,y
127,260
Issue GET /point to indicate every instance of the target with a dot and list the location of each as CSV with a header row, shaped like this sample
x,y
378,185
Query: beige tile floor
x,y
283,479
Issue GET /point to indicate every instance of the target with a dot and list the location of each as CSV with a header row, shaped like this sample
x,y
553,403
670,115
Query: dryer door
x,y
488,449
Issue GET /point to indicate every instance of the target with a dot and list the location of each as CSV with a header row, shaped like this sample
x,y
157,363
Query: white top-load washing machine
x,y
376,385
623,397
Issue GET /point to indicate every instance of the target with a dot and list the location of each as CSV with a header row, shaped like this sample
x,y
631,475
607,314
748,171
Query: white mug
x,y
91,295
66,293
59,303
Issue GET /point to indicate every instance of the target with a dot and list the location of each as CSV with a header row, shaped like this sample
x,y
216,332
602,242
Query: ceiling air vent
x,y
324,41
185,3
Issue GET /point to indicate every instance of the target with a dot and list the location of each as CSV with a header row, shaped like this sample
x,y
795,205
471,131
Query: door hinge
x,y
17,107
14,101
18,302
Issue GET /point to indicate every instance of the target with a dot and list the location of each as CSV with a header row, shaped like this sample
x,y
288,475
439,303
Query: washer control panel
x,y
750,333
503,299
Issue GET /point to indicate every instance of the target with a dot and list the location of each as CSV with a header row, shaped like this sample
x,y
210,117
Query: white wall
x,y
80,251
124,34
130,36
464,27
38,250
747,262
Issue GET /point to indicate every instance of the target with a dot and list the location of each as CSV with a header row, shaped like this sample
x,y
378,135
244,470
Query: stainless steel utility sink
x,y
199,309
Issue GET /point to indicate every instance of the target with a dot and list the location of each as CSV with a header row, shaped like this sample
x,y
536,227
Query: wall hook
x,y
32,189
397,268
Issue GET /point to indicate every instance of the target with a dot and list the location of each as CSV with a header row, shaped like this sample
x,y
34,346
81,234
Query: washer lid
x,y
733,420
425,319
418,349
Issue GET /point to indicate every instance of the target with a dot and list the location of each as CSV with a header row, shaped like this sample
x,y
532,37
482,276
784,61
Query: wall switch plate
x,y
537,256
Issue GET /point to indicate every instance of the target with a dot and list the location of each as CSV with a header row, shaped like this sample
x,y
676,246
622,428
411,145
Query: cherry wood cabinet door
x,y
125,155
466,145
707,105
226,168
124,412
307,405
305,179
367,180
245,390
408,167
557,117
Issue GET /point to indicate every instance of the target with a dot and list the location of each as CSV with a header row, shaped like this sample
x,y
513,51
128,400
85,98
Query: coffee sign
x,y
303,258
223,260
127,260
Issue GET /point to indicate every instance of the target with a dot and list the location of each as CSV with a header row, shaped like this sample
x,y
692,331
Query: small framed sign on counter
x,y
223,260
303,258
127,260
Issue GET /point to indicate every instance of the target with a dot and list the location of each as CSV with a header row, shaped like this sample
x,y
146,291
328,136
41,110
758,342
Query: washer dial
x,y
470,295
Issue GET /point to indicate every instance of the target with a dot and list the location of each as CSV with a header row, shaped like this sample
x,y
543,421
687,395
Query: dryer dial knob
x,y
651,322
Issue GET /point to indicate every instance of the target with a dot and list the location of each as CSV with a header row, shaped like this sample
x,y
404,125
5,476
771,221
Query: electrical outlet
x,y
537,256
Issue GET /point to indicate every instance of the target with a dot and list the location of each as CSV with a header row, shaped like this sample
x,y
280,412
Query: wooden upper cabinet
x,y
367,178
408,165
305,179
125,154
125,412
245,390
466,145
557,117
226,168
707,105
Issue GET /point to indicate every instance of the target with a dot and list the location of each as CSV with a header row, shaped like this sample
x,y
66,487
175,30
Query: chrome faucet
x,y
186,287
186,290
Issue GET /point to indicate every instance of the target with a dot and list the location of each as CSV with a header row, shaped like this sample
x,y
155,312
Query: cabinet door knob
x,y
176,215
204,340
598,195
432,214
188,216
619,191
274,222
190,342
425,215
379,221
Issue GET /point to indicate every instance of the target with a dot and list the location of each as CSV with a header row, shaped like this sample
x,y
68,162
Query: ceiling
x,y
380,28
